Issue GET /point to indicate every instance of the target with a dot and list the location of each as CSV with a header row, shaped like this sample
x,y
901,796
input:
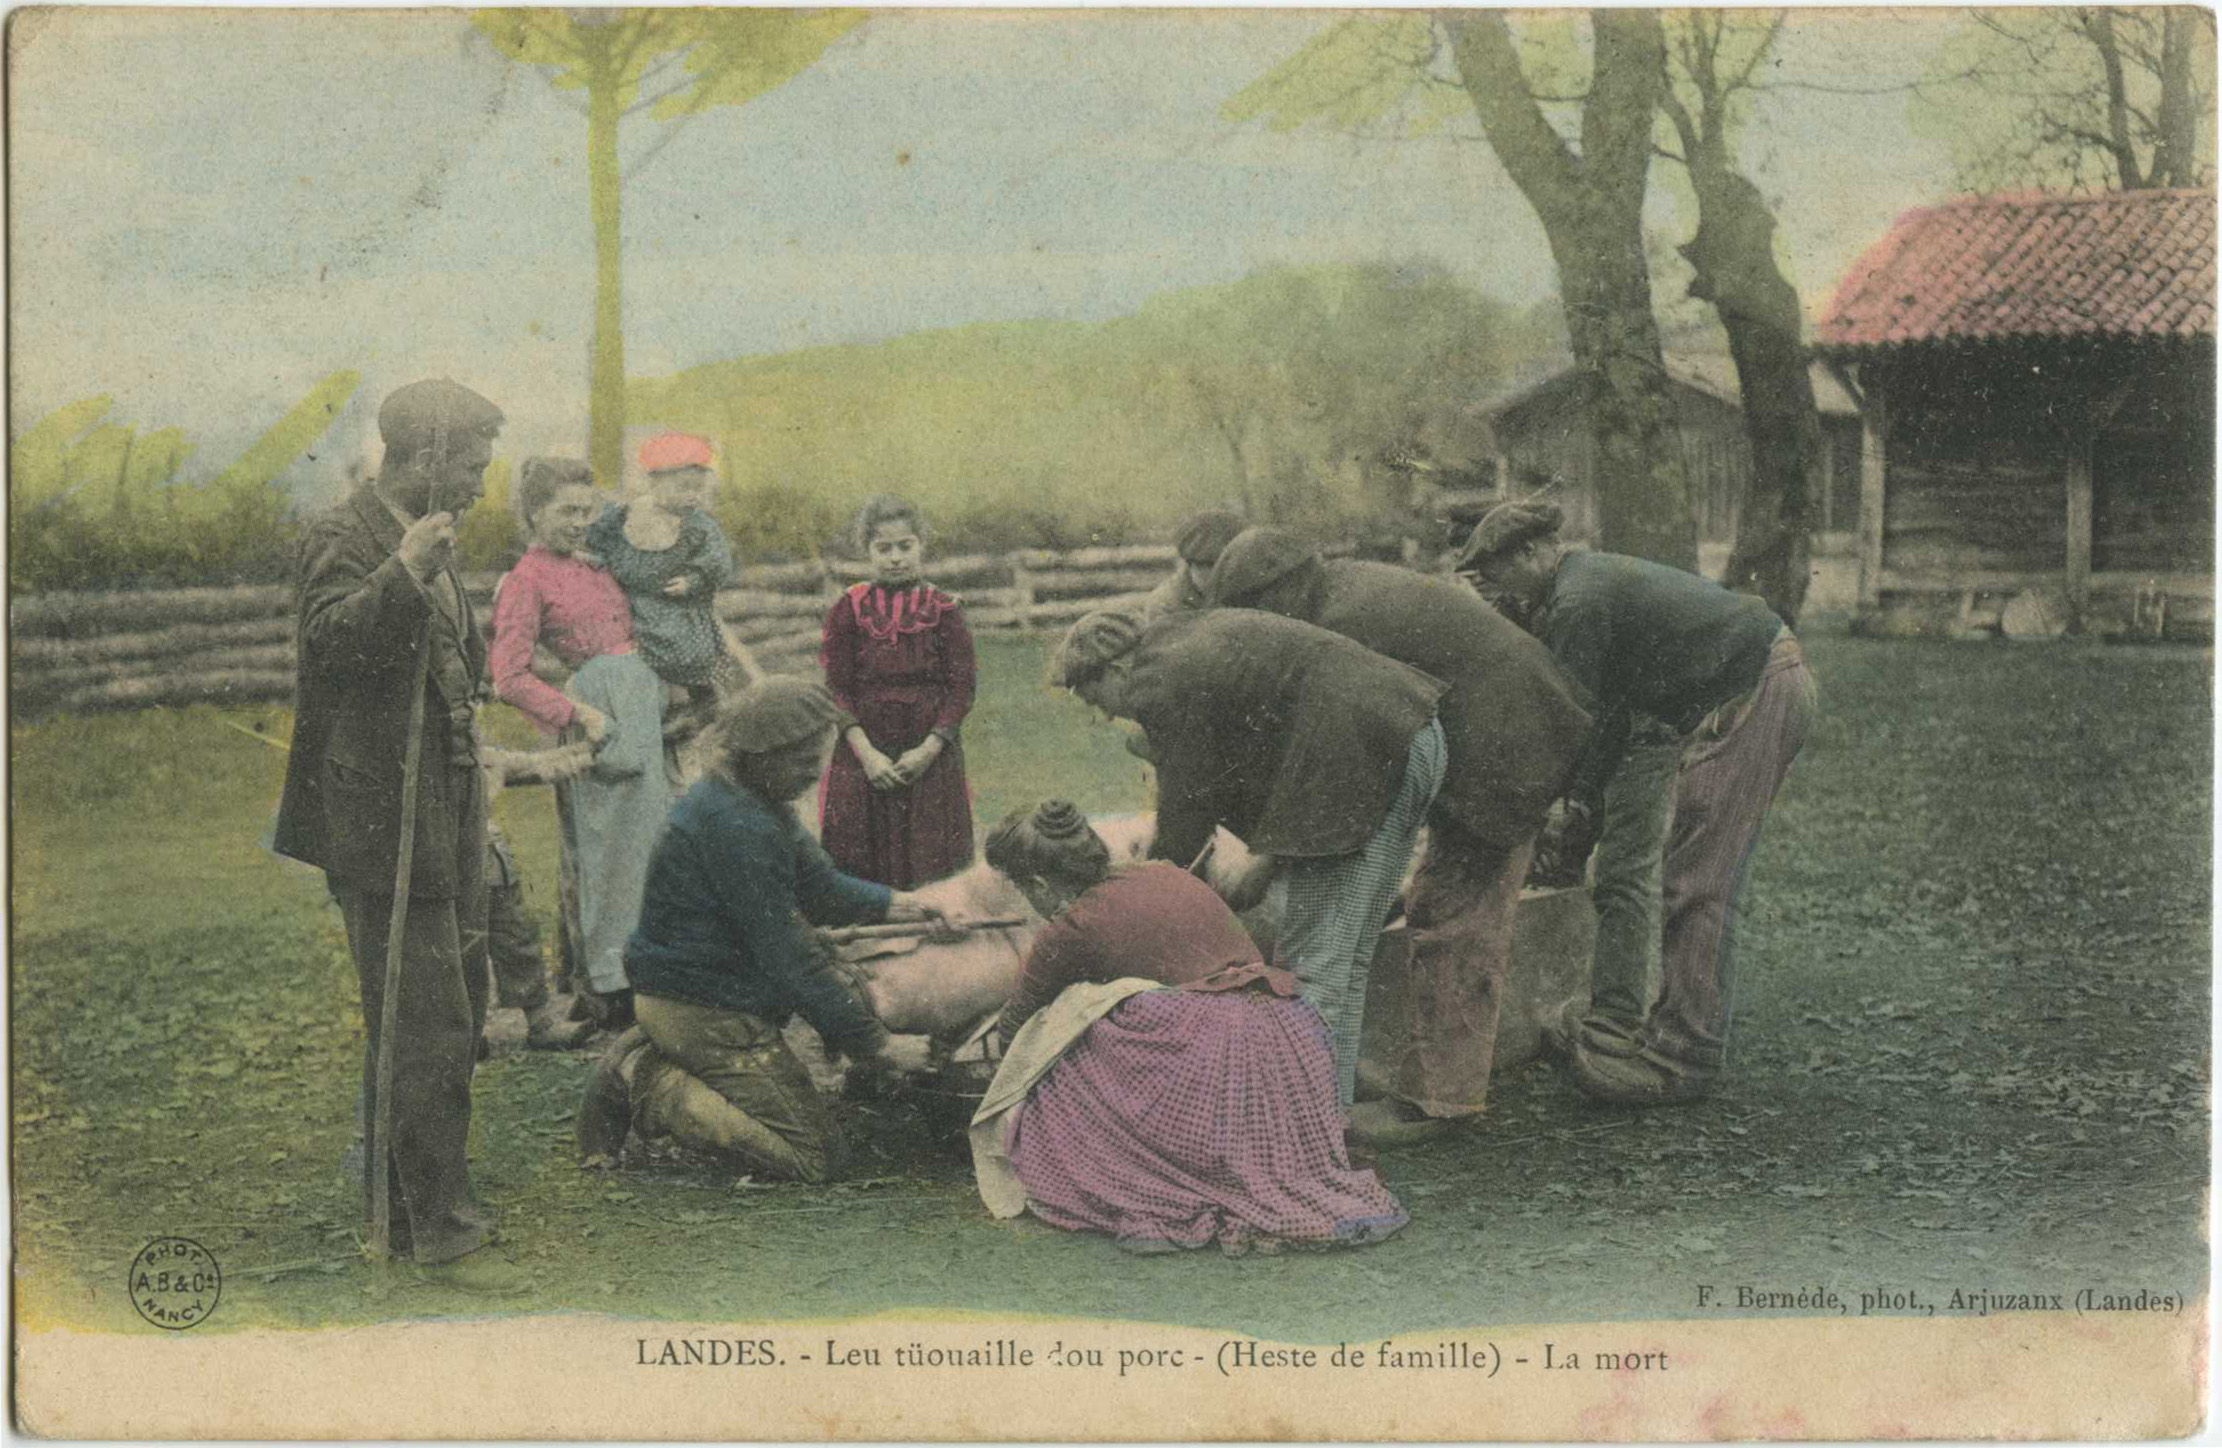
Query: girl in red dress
x,y
894,806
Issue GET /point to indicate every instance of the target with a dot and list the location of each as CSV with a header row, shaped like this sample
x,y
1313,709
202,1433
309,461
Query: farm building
x,y
1543,438
2035,376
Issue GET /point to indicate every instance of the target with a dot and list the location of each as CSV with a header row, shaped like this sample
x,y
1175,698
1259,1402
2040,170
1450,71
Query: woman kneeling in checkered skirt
x,y
1160,1082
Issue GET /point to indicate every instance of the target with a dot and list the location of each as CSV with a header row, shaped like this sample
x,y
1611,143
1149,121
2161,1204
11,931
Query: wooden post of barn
x,y
2078,579
1874,441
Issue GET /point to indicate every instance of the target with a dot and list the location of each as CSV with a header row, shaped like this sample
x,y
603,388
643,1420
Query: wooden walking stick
x,y
397,925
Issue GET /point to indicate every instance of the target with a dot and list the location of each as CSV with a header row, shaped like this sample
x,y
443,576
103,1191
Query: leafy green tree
x,y
1049,434
1570,111
490,537
94,502
674,65
1309,378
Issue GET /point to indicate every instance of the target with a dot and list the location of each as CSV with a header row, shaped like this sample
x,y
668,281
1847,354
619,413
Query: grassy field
x,y
1972,1050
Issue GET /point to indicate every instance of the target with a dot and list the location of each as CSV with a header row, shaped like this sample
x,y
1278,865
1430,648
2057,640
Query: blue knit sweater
x,y
718,922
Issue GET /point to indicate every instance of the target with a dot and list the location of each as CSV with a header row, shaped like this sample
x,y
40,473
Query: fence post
x,y
1022,589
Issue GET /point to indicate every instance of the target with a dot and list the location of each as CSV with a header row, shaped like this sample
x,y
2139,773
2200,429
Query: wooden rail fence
x,y
85,652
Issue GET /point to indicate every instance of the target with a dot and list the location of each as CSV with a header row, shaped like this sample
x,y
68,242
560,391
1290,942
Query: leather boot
x,y
606,1115
547,1029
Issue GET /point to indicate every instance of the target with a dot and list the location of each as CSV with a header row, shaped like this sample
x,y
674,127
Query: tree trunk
x,y
606,372
1643,492
2098,28
1733,254
1591,207
2176,152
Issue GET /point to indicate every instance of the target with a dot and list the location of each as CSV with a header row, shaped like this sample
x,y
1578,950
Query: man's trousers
x,y
1338,903
725,1082
1460,913
442,1007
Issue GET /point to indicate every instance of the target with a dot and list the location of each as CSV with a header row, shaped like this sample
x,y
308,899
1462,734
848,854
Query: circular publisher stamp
x,y
175,1283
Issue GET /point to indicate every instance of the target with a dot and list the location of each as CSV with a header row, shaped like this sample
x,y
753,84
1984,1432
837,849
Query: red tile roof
x,y
2129,264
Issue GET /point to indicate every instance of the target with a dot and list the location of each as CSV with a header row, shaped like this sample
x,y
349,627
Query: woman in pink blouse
x,y
559,598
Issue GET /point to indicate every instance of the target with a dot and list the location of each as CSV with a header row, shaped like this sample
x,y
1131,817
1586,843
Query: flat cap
x,y
1092,644
1506,527
1257,559
1206,535
415,413
774,713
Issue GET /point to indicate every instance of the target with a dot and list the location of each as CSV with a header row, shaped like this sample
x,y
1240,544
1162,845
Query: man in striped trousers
x,y
1646,642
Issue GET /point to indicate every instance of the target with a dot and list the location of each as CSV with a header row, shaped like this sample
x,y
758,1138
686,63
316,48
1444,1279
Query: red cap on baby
x,y
674,450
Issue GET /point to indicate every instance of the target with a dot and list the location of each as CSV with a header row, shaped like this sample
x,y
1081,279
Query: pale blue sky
x,y
212,209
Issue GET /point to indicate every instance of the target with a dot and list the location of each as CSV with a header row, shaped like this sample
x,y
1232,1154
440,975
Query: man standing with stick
x,y
383,792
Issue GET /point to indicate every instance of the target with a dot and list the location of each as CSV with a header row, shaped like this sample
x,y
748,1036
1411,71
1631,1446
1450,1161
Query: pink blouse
x,y
573,607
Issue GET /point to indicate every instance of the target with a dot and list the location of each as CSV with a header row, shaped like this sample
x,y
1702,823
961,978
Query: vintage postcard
x,y
1104,723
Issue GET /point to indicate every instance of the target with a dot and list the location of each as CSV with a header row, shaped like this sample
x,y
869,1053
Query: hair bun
x,y
1060,820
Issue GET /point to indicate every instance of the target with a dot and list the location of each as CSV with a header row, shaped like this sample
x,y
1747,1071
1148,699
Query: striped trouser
x,y
1338,903
1729,773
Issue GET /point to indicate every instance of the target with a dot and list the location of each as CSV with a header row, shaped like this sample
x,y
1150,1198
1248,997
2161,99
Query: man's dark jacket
x,y
1292,737
1513,722
361,615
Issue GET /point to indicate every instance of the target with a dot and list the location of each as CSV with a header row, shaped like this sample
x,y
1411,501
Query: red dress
x,y
899,661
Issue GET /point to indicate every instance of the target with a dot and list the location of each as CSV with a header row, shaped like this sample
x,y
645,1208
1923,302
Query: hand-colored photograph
x,y
1097,723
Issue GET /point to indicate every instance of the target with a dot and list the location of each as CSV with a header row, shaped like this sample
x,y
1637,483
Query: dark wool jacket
x,y
718,927
1292,737
1512,721
361,614
1647,640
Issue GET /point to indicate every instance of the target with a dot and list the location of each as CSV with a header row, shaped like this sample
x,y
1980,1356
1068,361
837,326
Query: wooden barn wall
x,y
1977,474
1716,456
2152,471
1555,444
1837,509
1548,437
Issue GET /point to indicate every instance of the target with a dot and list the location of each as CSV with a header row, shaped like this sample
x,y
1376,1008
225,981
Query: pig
x,y
943,989
951,992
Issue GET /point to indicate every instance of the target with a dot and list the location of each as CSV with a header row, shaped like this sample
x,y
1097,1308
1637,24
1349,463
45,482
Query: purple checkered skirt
x,y
1186,1118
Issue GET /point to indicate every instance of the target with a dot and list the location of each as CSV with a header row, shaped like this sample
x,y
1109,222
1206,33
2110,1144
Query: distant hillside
x,y
1280,392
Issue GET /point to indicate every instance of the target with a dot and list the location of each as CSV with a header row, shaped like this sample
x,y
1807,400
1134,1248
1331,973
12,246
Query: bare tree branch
x,y
1533,154
648,101
1760,52
2098,27
1684,125
655,148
